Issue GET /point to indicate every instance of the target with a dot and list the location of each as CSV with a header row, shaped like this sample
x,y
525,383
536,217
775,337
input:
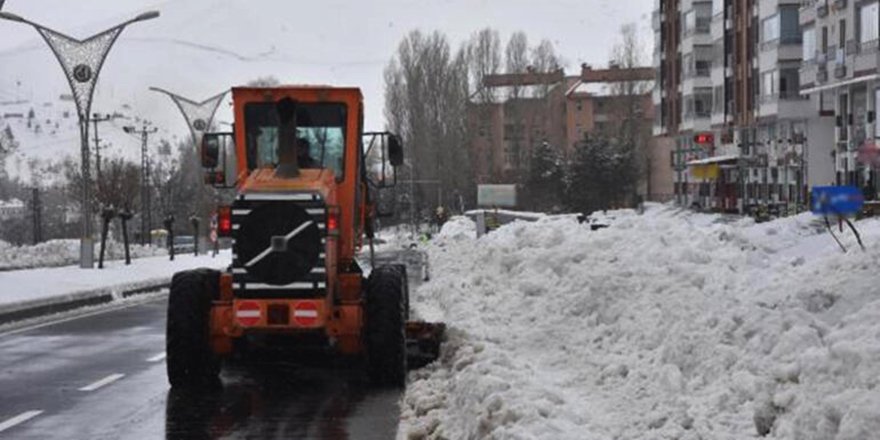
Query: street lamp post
x,y
198,115
81,61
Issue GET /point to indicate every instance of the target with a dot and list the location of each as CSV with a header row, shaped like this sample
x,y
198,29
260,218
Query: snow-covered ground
x,y
63,252
49,284
667,325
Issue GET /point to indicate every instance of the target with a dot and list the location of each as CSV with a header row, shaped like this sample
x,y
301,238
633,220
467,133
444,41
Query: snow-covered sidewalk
x,y
667,325
22,289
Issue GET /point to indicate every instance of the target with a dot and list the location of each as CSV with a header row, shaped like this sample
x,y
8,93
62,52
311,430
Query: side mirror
x,y
395,151
218,159
210,150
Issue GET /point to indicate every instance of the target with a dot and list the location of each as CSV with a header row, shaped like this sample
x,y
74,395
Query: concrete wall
x,y
820,144
659,174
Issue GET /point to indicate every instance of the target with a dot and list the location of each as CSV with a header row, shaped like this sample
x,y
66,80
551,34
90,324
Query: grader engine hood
x,y
280,227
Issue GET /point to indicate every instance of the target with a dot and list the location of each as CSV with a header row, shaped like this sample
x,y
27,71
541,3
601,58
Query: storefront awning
x,y
715,159
840,84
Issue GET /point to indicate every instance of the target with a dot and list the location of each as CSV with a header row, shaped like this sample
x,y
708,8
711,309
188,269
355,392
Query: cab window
x,y
320,136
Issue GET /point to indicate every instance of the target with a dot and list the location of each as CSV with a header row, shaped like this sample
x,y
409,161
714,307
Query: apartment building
x,y
515,112
745,135
840,71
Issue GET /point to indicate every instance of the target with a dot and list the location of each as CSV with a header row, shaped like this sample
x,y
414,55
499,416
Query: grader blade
x,y
423,341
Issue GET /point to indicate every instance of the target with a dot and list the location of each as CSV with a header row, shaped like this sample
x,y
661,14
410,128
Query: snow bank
x,y
49,284
668,325
458,227
63,252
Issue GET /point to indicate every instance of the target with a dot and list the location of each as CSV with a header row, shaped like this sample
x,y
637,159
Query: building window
x,y
809,41
876,105
579,105
718,100
869,23
768,83
770,29
789,24
789,83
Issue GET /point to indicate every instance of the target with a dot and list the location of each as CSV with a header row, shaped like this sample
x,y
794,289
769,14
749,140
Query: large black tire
x,y
402,269
190,360
385,332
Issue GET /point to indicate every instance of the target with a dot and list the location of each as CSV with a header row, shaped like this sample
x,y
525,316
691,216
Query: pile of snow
x,y
24,288
665,325
458,227
63,252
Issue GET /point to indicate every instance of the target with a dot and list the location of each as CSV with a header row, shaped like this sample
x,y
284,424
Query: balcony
x,y
821,75
869,46
852,47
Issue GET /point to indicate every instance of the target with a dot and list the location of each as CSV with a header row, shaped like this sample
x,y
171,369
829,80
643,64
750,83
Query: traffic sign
x,y
837,200
305,313
248,313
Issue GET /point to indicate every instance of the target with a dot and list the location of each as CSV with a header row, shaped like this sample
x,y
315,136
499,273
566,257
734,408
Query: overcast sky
x,y
333,41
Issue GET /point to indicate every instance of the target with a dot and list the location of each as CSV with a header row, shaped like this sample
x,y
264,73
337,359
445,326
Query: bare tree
x,y
628,129
484,59
516,58
545,60
426,93
119,185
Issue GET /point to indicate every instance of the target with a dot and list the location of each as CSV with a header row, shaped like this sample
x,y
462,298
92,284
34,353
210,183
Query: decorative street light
x,y
198,115
81,61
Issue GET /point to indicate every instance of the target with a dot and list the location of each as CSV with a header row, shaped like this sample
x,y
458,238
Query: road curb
x,y
64,303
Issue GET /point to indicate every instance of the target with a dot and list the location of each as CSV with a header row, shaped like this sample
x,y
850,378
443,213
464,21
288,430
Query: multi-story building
x,y
729,97
840,72
513,113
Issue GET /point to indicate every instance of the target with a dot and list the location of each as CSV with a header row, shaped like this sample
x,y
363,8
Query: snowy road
x,y
102,376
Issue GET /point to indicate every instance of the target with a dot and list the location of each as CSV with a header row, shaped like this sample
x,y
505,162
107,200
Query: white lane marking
x,y
19,419
157,358
103,382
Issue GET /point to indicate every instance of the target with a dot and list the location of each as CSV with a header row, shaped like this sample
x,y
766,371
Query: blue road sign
x,y
837,200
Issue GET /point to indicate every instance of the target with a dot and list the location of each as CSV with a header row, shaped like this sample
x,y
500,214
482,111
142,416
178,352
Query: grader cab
x,y
305,176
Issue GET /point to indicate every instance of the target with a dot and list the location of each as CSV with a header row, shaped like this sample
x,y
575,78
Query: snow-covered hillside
x,y
668,325
200,47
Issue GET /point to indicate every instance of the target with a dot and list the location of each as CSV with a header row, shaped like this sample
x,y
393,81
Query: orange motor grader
x,y
305,177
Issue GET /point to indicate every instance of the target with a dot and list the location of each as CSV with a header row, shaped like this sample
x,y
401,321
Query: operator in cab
x,y
292,157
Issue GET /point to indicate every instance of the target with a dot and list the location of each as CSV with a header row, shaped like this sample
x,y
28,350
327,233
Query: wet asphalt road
x,y
103,376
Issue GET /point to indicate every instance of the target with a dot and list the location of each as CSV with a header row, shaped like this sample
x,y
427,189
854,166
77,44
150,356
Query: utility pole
x,y
146,222
37,217
96,118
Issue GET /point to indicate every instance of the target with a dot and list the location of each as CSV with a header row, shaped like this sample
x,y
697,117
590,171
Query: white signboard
x,y
502,196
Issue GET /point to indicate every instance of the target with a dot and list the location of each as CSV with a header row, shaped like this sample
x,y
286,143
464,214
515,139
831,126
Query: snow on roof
x,y
607,88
